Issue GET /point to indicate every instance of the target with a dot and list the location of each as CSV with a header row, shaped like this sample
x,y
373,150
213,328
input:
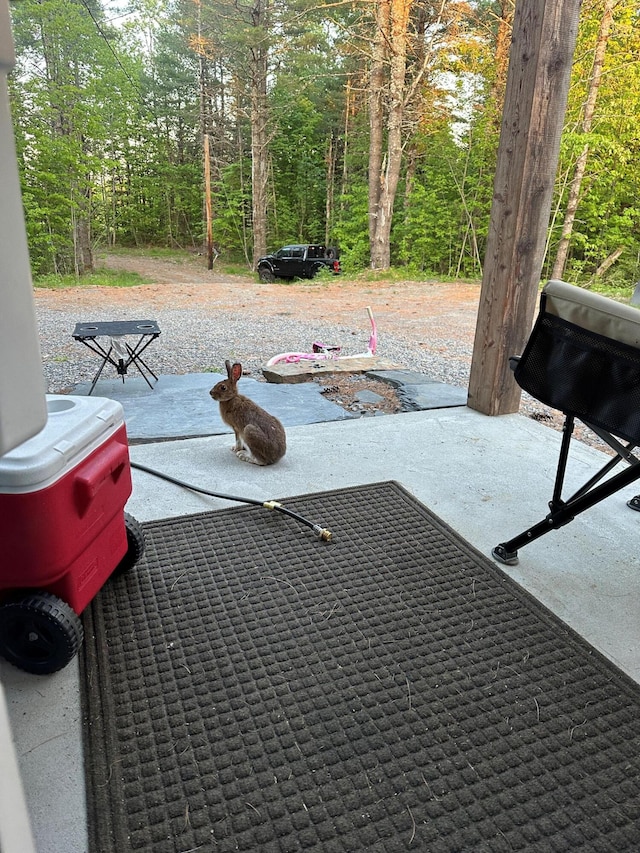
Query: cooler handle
x,y
110,462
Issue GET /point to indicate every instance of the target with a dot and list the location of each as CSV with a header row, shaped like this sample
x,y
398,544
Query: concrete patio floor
x,y
489,478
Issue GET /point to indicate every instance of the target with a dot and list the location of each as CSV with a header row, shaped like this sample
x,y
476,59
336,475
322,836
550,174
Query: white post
x,y
15,830
23,410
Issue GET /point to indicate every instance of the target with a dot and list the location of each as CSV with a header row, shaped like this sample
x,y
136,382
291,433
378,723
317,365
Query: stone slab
x,y
180,406
431,395
303,371
400,377
418,392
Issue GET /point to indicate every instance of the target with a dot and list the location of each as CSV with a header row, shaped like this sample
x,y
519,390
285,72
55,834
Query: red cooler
x,y
63,528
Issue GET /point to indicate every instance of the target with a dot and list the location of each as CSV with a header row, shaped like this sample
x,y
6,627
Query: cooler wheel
x,y
39,632
135,542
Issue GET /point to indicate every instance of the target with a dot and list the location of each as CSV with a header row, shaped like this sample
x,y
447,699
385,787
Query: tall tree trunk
x,y
59,76
83,259
345,147
390,174
245,229
85,252
259,136
376,111
330,161
587,121
204,117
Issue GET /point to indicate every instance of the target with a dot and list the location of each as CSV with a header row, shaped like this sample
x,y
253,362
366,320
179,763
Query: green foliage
x,y
297,152
59,130
427,236
608,213
108,124
99,278
232,203
350,229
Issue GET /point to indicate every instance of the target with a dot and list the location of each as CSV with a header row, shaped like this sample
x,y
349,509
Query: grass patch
x,y
232,268
160,252
99,278
402,274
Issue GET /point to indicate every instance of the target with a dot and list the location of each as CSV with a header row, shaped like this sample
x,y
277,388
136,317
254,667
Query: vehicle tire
x,y
135,542
266,275
39,632
314,272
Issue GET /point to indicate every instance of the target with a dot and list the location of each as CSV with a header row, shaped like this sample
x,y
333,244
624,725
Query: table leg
x,y
100,369
135,357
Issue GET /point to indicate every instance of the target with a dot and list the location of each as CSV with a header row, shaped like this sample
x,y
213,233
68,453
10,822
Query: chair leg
x,y
562,512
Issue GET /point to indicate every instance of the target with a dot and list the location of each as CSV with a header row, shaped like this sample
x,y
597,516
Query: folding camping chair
x,y
583,358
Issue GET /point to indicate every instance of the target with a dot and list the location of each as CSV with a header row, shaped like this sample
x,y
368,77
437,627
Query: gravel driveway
x,y
206,317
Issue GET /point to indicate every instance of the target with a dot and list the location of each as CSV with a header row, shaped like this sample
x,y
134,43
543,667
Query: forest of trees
x,y
368,124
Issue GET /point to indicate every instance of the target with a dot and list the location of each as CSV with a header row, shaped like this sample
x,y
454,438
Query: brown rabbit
x,y
260,438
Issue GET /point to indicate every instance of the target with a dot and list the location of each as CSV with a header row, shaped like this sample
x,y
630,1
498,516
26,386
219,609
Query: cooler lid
x,y
75,427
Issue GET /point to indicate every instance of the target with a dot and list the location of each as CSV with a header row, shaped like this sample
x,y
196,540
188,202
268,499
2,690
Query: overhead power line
x,y
107,41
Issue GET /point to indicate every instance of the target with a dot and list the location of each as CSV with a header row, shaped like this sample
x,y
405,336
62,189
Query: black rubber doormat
x,y
250,688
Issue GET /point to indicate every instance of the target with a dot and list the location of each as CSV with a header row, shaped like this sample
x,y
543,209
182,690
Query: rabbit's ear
x,y
236,371
227,364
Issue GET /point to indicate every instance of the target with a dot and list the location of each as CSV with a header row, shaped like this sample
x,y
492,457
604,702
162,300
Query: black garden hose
x,y
321,532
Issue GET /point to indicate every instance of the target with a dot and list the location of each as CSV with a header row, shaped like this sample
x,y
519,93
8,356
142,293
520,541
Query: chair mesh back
x,y
582,373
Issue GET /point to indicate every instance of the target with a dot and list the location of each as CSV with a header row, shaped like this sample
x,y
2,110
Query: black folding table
x,y
116,350
583,358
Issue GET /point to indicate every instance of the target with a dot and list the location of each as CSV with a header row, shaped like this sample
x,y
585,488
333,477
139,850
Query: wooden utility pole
x,y
542,46
207,201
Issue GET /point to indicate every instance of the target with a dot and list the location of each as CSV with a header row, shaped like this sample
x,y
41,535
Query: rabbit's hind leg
x,y
247,456
244,452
